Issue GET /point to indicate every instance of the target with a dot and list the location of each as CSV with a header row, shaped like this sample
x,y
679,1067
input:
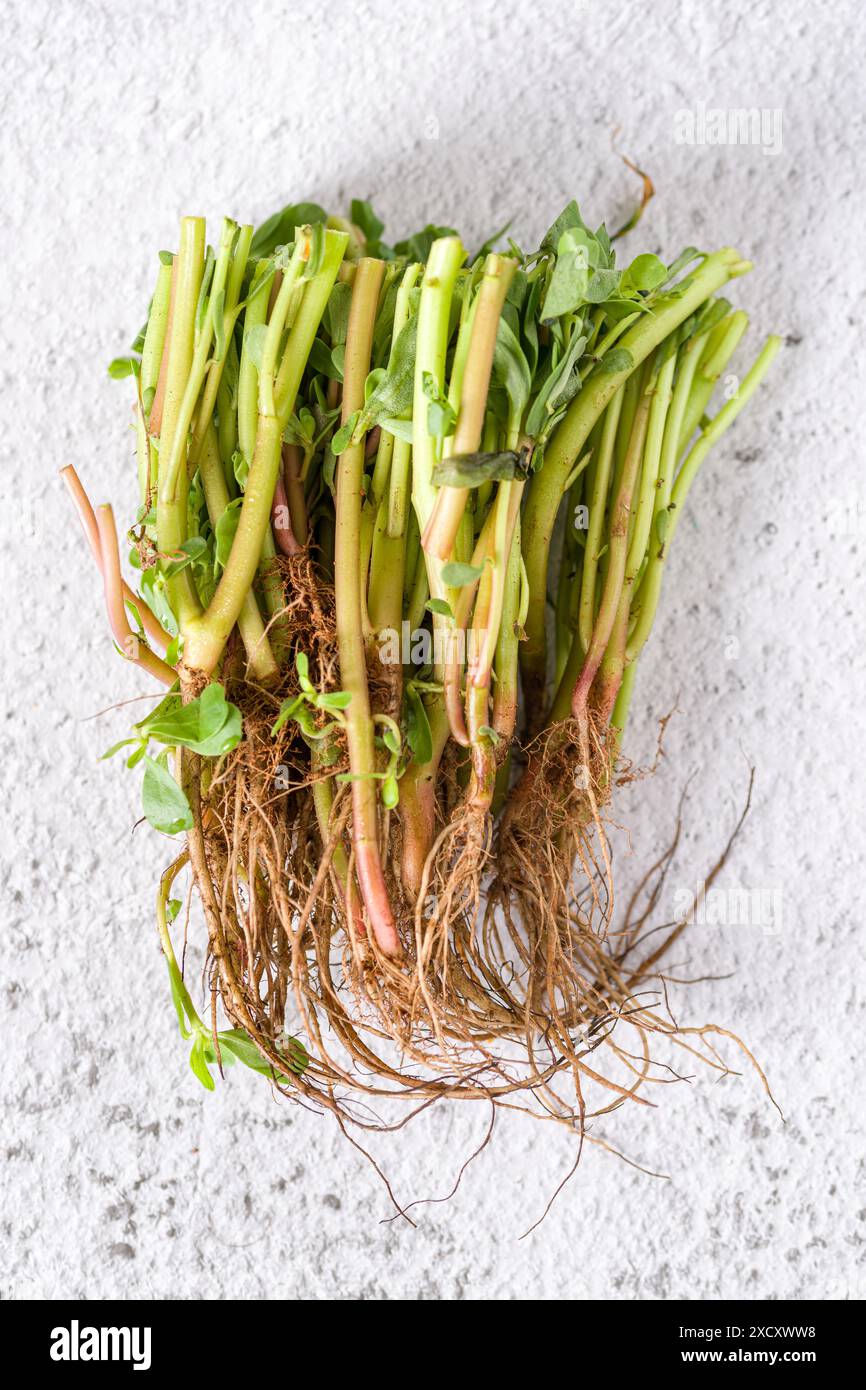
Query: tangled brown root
x,y
514,986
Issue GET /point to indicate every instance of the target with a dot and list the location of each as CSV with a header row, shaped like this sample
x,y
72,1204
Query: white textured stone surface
x,y
120,1176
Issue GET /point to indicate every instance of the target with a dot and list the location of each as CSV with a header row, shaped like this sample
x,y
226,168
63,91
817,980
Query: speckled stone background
x,y
120,1176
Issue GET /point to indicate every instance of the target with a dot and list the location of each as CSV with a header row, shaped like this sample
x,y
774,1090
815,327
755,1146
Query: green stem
x,y
440,534
507,647
151,356
262,665
651,586
644,511
721,346
206,637
616,557
171,517
546,489
437,288
597,512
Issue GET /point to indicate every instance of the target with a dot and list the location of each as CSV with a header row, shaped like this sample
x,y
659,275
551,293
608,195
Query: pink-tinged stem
x,y
112,580
350,635
371,447
456,639
293,461
281,521
86,516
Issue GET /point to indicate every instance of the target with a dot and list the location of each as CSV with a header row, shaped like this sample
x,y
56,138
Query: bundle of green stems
x,y
403,513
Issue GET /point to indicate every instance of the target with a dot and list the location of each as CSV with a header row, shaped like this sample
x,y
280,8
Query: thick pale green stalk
x,y
439,536
385,597
398,486
216,369
393,457
350,636
206,637
261,664
151,356
623,699
255,314
171,519
597,509
505,664
173,472
506,512
547,486
418,804
446,258
662,391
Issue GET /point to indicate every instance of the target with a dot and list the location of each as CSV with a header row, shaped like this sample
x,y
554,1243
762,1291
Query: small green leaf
x,y
418,732
568,283
602,284
511,370
177,992
617,359
225,532
441,419
190,551
457,575
337,312
487,732
240,1045
391,741
121,367
390,793
471,470
279,229
417,246
365,219
343,436
116,747
154,595
392,393
164,803
288,709
241,469
646,272
569,218
401,429
438,605
254,342
335,699
208,725
317,250
219,326
198,1063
